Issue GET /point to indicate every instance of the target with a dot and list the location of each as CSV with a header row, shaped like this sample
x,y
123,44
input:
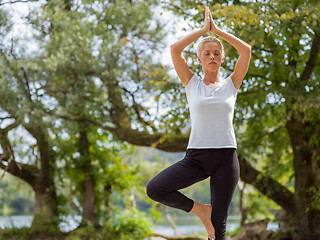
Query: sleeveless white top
x,y
211,113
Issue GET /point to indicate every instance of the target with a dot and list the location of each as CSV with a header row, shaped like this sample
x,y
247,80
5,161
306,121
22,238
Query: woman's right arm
x,y
179,62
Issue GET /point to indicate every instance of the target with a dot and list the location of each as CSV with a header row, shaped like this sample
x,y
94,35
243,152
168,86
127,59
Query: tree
x,y
19,109
59,90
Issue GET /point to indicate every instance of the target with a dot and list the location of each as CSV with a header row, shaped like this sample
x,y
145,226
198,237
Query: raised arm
x,y
179,62
243,48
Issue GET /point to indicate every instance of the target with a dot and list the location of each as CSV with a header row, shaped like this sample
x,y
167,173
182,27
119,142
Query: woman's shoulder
x,y
194,79
229,82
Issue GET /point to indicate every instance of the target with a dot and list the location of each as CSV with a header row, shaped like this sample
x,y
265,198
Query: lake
x,y
190,224
186,225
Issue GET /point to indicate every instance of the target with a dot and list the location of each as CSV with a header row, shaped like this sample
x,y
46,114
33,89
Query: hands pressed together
x,y
209,24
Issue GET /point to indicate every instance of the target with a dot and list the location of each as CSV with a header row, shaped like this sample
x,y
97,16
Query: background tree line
x,y
94,83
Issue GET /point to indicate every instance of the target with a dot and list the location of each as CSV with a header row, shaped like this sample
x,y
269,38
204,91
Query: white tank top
x,y
211,113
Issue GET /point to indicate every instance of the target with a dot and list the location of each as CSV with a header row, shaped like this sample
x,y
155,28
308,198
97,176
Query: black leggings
x,y
220,164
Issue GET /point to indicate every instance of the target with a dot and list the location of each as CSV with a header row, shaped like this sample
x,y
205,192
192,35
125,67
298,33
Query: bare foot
x,y
203,211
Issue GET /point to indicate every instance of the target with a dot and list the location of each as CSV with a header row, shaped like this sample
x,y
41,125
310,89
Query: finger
x,y
207,13
210,16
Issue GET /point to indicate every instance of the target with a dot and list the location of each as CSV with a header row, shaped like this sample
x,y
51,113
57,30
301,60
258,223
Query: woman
x,y
211,150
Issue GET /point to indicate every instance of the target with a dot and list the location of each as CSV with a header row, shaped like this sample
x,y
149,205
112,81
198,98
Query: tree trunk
x,y
107,200
243,209
89,198
89,183
170,220
41,179
306,220
46,206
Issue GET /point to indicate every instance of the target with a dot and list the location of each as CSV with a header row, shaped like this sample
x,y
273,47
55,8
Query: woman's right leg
x,y
164,187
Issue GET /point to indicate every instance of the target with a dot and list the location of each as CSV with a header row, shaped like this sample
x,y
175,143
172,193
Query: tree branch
x,y
80,119
23,171
137,108
267,186
163,141
6,118
24,84
11,126
256,76
175,7
12,2
6,147
312,58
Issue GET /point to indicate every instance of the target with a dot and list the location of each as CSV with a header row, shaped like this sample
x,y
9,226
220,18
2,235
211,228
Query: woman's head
x,y
208,40
210,53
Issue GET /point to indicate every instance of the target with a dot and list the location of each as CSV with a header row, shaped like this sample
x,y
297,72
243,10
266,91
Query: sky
x,y
20,10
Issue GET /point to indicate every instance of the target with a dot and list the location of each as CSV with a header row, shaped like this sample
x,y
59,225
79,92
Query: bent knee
x,y
154,189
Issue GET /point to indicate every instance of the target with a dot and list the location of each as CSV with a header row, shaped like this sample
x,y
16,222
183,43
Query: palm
x,y
207,20
213,26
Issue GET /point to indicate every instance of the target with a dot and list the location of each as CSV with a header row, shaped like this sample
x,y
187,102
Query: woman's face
x,y
211,56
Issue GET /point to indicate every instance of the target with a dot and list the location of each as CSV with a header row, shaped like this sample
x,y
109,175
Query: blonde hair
x,y
209,39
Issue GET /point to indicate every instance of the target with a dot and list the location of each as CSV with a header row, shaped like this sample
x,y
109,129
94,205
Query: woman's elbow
x,y
173,45
174,48
248,49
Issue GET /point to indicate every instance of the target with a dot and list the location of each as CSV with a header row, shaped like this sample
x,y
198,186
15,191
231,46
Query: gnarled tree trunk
x,y
40,179
88,183
306,219
46,205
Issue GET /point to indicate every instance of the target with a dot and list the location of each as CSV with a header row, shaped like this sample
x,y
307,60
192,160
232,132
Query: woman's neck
x,y
211,77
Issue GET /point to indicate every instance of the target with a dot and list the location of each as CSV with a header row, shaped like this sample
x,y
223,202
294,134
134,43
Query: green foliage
x,y
127,223
314,193
130,222
81,50
27,233
234,232
44,225
112,166
258,206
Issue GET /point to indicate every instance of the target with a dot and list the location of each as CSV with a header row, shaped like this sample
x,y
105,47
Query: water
x,y
186,225
16,221
68,224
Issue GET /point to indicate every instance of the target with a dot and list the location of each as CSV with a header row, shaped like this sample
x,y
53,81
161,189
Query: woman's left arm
x,y
244,50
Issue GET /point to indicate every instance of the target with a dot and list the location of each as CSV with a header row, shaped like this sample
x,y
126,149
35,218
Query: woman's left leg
x,y
223,183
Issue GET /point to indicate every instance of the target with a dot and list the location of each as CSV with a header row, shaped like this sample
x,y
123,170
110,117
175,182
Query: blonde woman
x,y
211,151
